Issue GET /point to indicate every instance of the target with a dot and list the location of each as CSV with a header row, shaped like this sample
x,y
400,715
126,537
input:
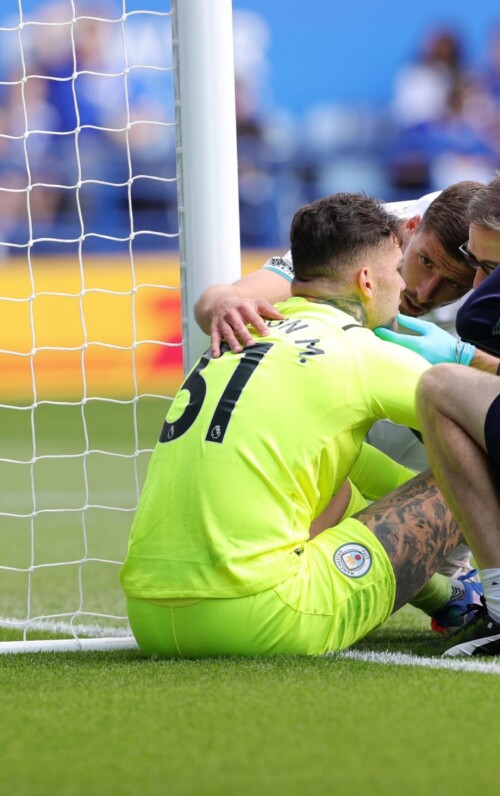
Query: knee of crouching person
x,y
429,391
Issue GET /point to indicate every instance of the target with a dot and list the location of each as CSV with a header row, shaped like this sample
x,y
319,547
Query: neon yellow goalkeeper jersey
x,y
252,449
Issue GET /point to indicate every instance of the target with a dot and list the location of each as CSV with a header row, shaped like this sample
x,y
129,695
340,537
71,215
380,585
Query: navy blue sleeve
x,y
478,319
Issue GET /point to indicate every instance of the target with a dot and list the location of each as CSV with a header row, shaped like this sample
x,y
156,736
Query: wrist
x,y
464,353
486,362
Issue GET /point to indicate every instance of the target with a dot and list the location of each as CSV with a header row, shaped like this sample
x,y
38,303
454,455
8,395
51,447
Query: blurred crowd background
x,y
412,112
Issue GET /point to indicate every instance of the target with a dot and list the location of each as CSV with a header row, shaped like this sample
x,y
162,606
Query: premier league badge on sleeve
x,y
352,559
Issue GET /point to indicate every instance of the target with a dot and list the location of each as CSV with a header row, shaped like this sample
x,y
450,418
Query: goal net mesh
x,y
89,300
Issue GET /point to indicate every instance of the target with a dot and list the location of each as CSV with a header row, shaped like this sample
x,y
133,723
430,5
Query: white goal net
x,y
90,300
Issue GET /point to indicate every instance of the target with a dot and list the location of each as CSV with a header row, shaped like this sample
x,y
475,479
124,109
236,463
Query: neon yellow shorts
x,y
344,589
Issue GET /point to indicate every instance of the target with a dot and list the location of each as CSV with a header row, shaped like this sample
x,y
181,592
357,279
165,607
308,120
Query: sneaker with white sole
x,y
480,636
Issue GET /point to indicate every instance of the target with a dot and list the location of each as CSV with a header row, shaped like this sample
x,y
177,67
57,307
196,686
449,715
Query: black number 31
x,y
196,385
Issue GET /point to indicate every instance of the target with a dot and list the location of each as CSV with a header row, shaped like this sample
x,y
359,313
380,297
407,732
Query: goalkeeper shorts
x,y
345,587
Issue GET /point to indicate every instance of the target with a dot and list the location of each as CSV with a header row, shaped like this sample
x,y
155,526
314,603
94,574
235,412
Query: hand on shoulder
x,y
230,317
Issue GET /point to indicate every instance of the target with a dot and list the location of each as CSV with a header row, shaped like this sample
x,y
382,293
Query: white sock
x,y
490,578
457,563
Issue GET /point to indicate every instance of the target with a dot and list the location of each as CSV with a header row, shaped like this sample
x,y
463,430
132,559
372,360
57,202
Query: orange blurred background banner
x,y
106,329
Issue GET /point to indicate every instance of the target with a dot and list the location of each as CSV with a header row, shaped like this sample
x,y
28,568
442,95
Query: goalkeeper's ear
x,y
365,283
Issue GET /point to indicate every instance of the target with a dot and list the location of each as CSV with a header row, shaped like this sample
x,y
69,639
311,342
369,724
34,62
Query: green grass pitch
x,y
114,723
45,483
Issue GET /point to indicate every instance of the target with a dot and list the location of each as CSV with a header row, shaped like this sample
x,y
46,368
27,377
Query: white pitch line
x,y
52,626
384,658
400,659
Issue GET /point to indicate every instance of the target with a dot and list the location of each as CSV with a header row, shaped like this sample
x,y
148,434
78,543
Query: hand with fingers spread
x,y
230,319
431,342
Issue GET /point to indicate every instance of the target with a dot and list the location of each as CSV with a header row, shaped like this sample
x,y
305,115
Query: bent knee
x,y
433,387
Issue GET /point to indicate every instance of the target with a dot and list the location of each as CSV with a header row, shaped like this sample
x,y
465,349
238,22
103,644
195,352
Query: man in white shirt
x,y
435,271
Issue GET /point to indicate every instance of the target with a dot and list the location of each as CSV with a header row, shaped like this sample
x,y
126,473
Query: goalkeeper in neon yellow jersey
x,y
221,557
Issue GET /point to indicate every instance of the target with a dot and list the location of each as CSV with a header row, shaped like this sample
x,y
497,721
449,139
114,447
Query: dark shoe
x,y
480,636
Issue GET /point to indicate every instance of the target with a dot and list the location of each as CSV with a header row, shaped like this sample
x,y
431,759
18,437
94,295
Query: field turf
x,y
114,723
70,481
79,723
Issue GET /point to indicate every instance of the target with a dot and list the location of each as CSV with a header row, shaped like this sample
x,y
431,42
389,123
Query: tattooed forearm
x,y
417,529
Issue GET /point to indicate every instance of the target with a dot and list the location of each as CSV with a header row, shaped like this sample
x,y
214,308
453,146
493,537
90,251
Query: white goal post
x,y
99,272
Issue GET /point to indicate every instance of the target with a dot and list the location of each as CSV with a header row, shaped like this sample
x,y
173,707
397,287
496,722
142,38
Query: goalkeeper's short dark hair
x,y
328,235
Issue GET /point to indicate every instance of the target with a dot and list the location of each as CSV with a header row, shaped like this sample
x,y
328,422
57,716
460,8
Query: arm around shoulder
x,y
223,311
215,296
